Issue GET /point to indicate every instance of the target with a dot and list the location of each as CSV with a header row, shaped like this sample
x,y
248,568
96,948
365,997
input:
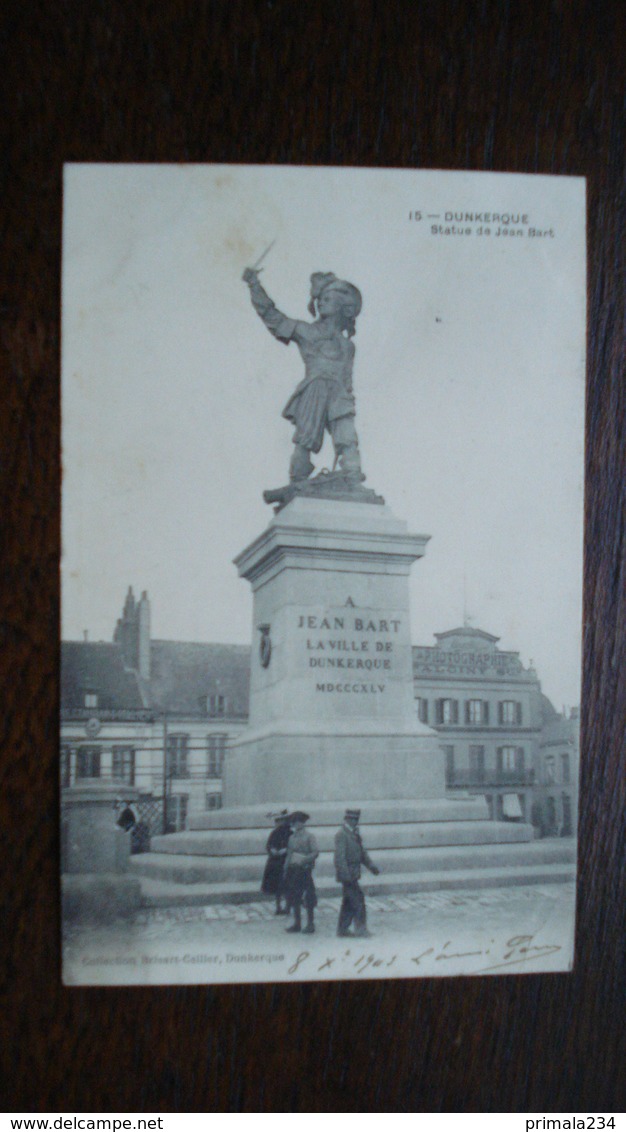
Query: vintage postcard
x,y
322,559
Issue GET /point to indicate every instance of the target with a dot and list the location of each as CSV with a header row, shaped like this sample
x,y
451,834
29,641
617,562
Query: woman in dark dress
x,y
276,848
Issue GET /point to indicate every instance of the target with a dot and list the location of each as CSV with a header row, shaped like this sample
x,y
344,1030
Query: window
x,y
422,709
450,711
510,712
550,816
476,711
177,756
176,811
565,767
477,764
65,766
449,755
566,830
213,802
91,699
216,745
88,762
507,758
510,759
216,705
124,765
447,711
550,768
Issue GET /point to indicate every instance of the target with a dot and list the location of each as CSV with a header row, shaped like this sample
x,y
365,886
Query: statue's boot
x,y
350,461
300,469
300,466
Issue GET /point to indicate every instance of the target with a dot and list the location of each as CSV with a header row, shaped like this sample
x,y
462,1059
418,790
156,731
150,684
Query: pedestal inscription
x,y
346,654
332,714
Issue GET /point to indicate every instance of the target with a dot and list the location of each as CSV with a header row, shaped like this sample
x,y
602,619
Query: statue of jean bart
x,y
324,400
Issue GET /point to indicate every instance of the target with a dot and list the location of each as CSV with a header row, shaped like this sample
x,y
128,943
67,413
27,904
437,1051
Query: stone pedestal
x,y
332,712
333,724
92,840
95,854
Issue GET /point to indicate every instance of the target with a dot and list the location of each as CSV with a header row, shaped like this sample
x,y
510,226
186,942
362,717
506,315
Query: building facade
x,y
159,716
555,797
492,717
155,716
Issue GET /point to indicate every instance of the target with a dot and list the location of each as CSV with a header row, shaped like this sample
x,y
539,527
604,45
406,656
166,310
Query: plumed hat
x,y
322,279
299,815
280,815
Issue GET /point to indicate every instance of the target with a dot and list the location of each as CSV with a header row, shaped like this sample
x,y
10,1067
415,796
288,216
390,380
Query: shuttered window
x,y
177,756
216,746
422,709
88,762
216,705
510,712
447,711
124,765
477,711
511,758
477,763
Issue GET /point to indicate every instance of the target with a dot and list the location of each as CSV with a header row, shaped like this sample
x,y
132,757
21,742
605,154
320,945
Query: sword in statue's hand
x,y
259,261
256,268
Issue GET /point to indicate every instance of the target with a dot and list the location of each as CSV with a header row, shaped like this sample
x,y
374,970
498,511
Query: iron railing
x,y
485,778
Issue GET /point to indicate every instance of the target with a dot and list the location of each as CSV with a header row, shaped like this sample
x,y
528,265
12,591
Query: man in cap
x,y
323,401
302,853
350,854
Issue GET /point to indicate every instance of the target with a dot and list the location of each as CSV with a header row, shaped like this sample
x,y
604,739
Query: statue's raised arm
x,y
324,399
279,325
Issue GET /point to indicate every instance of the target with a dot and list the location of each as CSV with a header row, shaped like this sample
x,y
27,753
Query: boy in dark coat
x,y
276,848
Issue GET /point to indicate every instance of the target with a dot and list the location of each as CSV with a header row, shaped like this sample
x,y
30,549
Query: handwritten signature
x,y
516,950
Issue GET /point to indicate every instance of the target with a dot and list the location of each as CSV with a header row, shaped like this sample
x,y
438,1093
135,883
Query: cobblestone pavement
x,y
426,902
497,931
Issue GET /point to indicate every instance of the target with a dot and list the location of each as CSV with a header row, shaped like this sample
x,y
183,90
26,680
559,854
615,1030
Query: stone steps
x,y
167,894
193,870
456,808
398,835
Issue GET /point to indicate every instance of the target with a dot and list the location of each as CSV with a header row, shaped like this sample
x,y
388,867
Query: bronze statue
x,y
324,400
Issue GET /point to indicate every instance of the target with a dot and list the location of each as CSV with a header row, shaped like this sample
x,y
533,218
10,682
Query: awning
x,y
511,806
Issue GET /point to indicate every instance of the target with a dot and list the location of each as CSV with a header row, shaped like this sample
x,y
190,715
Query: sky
x,y
469,383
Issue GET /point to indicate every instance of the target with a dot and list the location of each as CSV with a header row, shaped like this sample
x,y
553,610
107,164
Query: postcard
x,y
322,572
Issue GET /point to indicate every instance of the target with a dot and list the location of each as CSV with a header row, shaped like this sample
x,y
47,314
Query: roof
x,y
467,631
183,674
98,667
549,714
559,731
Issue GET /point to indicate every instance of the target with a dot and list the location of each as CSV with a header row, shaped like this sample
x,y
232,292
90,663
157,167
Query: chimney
x,y
127,631
143,636
129,604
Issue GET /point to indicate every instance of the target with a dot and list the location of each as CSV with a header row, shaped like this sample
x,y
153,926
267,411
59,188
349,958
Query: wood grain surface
x,y
455,84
